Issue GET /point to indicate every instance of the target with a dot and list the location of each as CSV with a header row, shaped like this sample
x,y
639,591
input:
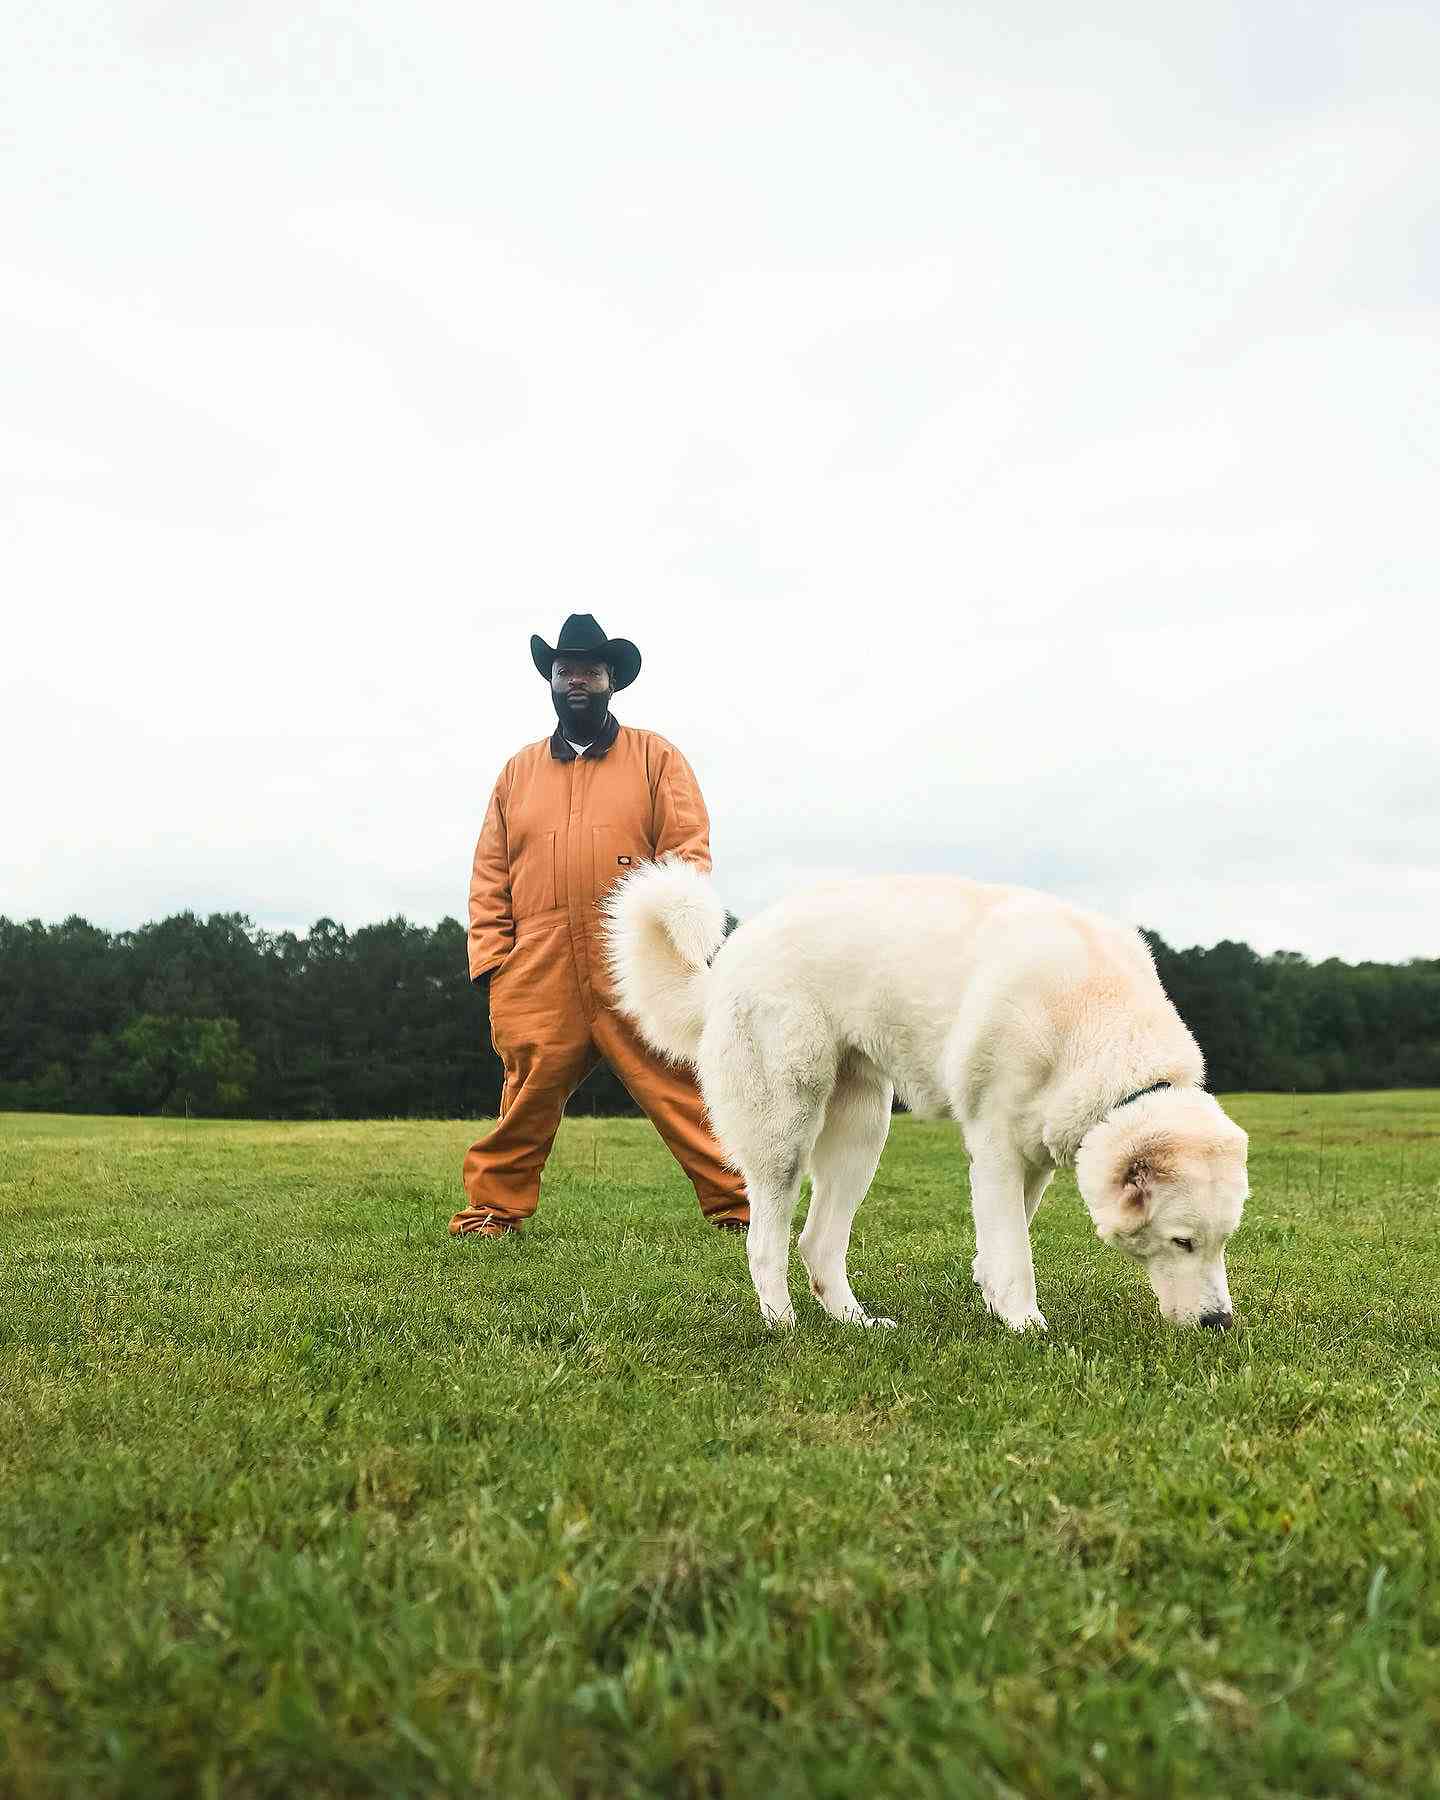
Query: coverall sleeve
x,y
682,825
492,924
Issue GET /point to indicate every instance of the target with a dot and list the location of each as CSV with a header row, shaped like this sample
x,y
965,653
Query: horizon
x,y
401,918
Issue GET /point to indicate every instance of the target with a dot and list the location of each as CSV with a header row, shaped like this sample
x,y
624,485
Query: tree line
x,y
218,1017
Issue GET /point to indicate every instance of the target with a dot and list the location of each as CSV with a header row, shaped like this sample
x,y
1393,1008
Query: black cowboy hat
x,y
583,639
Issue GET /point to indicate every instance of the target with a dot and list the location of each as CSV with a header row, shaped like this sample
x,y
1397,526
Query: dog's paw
x,y
874,1323
1018,1314
1018,1318
1029,1318
784,1320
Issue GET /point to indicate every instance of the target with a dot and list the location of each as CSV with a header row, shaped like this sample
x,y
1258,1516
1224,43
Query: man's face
x,y
581,692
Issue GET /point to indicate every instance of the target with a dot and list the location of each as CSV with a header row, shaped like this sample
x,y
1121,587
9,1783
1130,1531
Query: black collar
x,y
562,750
1139,1094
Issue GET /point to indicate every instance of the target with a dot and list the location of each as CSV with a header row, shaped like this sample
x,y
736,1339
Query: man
x,y
568,817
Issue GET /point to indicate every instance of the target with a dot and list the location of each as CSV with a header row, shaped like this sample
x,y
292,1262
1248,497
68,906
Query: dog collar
x,y
1139,1094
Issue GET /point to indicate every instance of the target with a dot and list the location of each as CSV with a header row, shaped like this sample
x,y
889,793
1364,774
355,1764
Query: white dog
x,y
1042,1029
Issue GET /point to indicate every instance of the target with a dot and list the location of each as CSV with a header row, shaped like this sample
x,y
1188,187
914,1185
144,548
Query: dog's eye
x,y
1183,1243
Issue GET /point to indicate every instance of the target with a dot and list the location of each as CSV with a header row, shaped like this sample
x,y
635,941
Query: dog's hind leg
x,y
767,1071
773,1192
842,1166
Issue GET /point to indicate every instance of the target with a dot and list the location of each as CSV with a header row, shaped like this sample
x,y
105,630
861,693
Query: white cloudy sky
x,y
1012,437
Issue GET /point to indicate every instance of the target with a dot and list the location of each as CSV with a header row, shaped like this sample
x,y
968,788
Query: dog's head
x,y
1165,1180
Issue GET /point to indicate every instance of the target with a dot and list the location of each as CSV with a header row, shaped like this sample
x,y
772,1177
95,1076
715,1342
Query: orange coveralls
x,y
559,831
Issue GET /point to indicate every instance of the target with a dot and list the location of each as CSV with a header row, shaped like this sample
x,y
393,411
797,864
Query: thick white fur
x,y
663,924
1025,1019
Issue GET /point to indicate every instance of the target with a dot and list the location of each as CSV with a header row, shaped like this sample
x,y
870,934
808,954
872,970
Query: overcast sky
x,y
1012,437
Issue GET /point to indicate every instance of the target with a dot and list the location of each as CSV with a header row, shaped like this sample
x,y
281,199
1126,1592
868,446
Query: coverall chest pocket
x,y
532,875
617,852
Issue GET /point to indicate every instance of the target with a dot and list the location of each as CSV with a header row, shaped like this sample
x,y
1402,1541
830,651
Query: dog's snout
x,y
1217,1321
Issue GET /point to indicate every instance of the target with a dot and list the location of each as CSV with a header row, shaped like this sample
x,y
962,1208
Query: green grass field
x,y
300,1497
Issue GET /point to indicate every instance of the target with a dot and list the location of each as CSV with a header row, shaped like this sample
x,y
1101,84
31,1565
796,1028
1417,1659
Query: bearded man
x,y
568,817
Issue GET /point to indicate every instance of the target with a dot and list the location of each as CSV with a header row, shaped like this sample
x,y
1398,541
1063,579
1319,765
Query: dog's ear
x,y
1143,1168
1119,1180
1135,1186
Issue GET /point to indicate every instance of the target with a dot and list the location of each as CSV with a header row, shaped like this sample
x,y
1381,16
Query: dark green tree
x,y
221,1016
171,1063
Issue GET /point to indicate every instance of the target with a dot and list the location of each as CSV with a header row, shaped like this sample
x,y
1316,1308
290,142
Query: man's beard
x,y
581,724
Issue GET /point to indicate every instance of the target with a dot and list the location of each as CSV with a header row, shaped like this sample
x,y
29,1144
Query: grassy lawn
x,y
300,1497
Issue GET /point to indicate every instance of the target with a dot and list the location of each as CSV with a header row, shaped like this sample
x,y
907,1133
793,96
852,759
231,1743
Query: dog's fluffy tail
x,y
663,923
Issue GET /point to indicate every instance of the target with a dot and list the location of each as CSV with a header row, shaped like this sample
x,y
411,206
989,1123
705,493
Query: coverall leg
x,y
671,1101
542,1038
548,1045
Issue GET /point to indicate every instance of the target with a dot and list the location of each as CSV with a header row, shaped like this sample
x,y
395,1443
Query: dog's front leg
x,y
1003,1265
